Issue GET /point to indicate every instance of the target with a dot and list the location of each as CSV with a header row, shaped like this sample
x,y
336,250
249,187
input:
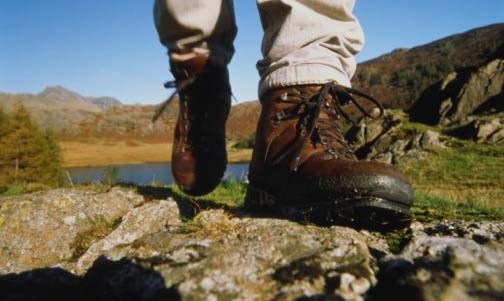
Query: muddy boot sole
x,y
369,213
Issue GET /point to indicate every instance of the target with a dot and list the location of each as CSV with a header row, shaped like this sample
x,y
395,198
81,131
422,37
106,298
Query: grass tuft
x,y
429,208
469,173
23,188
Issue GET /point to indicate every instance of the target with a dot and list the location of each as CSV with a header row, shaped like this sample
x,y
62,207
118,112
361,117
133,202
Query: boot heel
x,y
257,199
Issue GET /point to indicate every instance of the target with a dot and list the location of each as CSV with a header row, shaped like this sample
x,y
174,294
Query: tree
x,y
395,80
51,159
3,120
27,154
362,77
4,125
375,79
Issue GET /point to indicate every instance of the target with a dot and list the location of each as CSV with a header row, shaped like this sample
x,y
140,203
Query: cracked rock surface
x,y
78,245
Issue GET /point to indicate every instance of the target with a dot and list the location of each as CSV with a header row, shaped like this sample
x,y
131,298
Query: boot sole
x,y
370,213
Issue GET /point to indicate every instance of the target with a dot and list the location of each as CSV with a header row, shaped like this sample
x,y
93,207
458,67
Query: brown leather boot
x,y
199,155
303,167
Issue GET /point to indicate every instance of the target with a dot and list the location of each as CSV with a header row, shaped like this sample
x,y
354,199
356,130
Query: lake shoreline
x,y
142,174
101,153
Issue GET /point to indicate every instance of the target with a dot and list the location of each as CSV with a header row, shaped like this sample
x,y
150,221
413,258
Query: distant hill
x,y
126,121
243,119
398,78
134,121
104,103
57,107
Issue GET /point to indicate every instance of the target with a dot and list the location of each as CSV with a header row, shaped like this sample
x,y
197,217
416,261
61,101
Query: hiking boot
x,y
199,155
302,167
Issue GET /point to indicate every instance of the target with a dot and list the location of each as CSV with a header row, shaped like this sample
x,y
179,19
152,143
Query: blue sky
x,y
110,48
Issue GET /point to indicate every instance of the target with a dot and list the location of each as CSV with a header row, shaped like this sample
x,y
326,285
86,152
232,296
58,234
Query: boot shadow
x,y
324,216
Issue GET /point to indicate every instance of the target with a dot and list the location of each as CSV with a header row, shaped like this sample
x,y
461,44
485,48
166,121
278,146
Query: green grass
x,y
227,195
466,173
429,208
465,181
246,142
99,227
23,188
230,195
398,239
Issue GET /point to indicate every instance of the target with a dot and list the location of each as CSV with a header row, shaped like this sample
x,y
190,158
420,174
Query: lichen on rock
x,y
81,245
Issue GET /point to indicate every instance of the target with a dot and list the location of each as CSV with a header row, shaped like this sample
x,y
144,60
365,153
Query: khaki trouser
x,y
305,41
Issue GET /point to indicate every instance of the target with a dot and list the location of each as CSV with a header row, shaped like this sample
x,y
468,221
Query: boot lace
x,y
194,115
331,99
180,86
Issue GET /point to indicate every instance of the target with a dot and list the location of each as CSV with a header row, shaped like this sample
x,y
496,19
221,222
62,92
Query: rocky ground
x,y
74,244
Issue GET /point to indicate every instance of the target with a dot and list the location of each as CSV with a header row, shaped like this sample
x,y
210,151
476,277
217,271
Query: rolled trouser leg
x,y
308,42
197,27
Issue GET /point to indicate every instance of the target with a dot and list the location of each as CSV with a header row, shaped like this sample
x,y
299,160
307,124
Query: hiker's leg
x,y
302,167
199,36
196,27
308,42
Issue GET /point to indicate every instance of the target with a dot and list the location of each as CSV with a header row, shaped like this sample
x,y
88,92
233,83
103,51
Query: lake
x,y
145,174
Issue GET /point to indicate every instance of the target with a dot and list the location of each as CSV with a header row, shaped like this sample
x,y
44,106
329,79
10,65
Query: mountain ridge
x,y
57,107
397,78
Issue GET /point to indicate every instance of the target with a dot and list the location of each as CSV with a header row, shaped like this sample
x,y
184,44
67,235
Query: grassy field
x,y
466,173
230,195
100,152
465,181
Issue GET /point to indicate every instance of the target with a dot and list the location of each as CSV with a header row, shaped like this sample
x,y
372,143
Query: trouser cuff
x,y
302,75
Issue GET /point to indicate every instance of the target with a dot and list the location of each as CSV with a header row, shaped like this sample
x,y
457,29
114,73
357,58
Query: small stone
x,y
431,139
69,220
486,128
497,137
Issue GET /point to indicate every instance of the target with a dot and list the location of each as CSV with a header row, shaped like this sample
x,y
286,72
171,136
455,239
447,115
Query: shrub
x,y
246,142
110,175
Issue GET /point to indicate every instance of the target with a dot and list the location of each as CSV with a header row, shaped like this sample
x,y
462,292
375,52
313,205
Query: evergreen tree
x,y
4,126
51,159
4,123
27,155
3,120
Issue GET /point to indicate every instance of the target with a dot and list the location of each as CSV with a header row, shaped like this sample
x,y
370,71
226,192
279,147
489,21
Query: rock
x,y
446,268
389,140
481,129
430,139
147,219
497,137
49,228
370,130
486,128
489,131
481,232
384,158
399,146
482,85
149,253
446,260
461,94
411,155
257,259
